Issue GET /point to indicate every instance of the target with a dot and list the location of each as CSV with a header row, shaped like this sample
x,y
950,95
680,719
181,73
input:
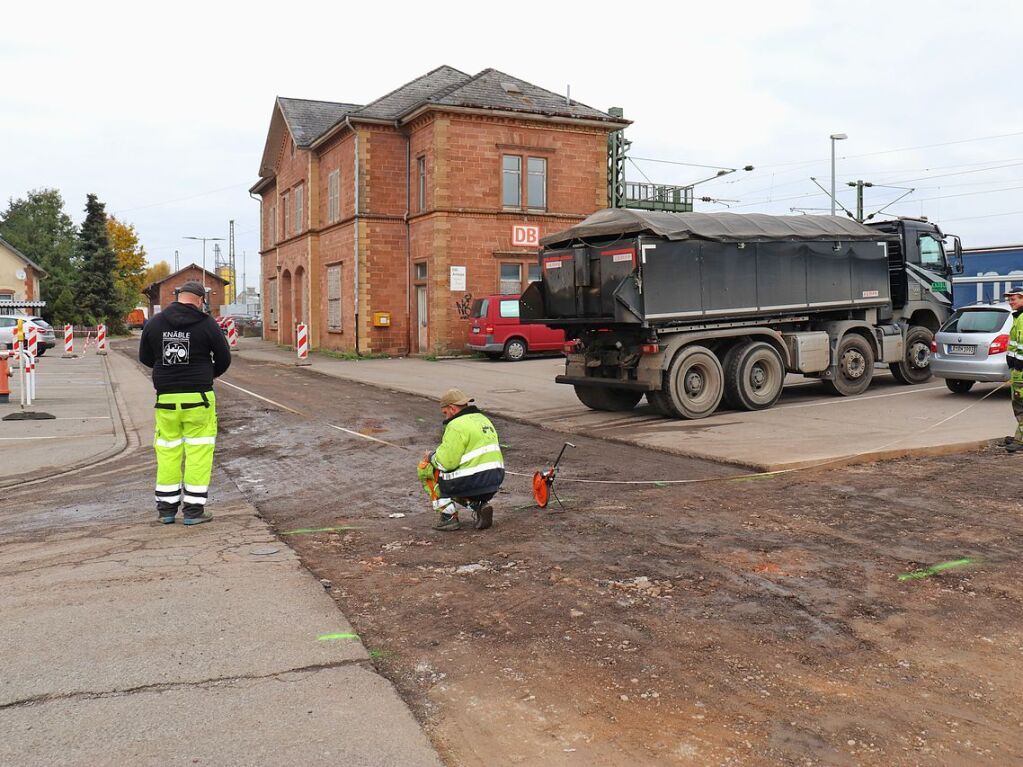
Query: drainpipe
x,y
355,270
408,241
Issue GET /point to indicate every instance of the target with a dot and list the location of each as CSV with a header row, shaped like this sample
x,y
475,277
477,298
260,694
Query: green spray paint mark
x,y
660,484
307,530
375,653
332,637
935,569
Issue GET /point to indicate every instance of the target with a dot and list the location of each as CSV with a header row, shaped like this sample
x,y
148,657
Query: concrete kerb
x,y
121,439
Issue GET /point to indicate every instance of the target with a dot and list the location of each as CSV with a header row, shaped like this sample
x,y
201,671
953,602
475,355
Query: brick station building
x,y
381,223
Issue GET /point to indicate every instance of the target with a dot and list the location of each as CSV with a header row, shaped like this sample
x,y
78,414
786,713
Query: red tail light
x,y
999,345
650,348
934,346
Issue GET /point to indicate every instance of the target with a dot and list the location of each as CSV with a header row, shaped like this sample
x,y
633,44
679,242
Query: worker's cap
x,y
455,397
193,287
1015,290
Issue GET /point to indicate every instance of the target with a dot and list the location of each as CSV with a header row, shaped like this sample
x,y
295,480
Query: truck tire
x,y
606,398
514,349
915,367
855,367
694,383
754,376
958,385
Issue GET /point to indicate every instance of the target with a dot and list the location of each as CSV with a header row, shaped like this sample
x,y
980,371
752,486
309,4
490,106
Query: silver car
x,y
971,346
47,339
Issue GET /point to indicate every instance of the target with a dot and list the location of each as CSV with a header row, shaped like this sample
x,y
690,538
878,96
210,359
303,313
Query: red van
x,y
497,332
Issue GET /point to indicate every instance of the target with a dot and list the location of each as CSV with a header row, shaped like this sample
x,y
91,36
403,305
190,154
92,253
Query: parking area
x,y
808,426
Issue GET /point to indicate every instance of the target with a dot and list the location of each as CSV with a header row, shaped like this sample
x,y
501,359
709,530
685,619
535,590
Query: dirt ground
x,y
735,622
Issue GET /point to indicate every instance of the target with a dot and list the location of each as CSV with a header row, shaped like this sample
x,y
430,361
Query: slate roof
x,y
308,119
409,96
492,89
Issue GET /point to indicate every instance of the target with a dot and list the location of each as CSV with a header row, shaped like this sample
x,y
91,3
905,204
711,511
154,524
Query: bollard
x,y
5,373
302,344
232,334
101,339
32,347
69,342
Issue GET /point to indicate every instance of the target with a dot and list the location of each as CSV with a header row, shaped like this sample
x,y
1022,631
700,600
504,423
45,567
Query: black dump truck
x,y
696,309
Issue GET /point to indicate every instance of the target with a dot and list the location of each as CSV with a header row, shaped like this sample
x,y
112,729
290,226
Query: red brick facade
x,y
161,294
382,236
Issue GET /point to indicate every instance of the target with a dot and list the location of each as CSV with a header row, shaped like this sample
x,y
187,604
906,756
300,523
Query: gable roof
x,y
308,119
412,94
23,257
493,89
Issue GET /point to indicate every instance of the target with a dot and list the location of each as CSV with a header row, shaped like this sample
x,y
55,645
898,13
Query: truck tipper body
x,y
695,309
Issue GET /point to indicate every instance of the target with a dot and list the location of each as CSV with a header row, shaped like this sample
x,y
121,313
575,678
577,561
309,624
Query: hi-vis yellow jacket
x,y
469,456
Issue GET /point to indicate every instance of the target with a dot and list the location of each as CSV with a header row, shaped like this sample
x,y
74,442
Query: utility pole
x,y
204,240
859,196
176,261
834,137
233,292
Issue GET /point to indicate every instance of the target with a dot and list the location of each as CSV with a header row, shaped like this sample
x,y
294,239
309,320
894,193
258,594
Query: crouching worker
x,y
467,468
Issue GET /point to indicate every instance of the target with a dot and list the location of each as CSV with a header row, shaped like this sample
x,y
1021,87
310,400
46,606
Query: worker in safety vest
x,y
1014,357
186,350
467,468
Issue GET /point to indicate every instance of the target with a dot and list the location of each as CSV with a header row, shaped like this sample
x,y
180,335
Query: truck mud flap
x,y
602,382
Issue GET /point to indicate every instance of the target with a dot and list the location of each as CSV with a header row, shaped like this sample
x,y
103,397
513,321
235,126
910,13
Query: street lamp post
x,y
834,137
214,239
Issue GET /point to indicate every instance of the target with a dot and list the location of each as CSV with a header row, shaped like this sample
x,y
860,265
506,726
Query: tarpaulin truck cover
x,y
713,227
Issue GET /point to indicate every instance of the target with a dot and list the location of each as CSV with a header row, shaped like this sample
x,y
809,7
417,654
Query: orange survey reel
x,y
543,482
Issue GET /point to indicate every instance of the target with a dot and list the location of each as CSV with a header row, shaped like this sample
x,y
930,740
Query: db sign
x,y
525,236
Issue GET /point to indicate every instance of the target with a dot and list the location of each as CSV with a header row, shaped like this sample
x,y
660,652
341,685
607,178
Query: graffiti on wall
x,y
464,306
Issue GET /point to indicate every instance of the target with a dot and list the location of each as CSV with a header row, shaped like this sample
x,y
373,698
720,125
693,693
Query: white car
x,y
8,323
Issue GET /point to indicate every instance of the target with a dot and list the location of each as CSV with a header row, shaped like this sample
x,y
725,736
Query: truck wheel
x,y
915,367
514,349
958,385
606,398
754,376
694,383
855,367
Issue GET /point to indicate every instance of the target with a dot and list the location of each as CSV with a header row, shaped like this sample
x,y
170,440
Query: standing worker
x,y
186,350
467,468
1014,444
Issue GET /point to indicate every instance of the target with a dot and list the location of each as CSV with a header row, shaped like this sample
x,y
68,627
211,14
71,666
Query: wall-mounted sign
x,y
525,236
458,278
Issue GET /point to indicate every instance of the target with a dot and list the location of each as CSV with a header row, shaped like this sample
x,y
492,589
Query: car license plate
x,y
961,349
476,330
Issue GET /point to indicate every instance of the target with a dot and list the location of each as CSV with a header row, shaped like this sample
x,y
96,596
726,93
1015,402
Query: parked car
x,y
497,332
47,339
971,346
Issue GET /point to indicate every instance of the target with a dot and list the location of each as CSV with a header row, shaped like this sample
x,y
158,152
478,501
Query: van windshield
x,y
479,308
976,321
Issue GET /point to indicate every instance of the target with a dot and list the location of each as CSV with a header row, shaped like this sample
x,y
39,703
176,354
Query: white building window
x,y
334,197
536,183
271,227
511,181
334,297
421,183
299,209
511,279
286,207
271,301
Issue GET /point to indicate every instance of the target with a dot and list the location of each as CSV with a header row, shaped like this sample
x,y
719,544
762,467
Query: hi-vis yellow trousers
x,y
186,428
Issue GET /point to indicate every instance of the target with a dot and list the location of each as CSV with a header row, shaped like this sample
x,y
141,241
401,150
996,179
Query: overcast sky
x,y
163,110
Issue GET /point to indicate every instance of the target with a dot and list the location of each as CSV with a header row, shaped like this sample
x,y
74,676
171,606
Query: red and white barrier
x,y
101,339
232,334
302,344
69,341
32,344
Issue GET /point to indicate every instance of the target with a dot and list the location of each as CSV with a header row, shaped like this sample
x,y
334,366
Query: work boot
x,y
1014,447
167,519
447,523
484,518
204,517
1006,441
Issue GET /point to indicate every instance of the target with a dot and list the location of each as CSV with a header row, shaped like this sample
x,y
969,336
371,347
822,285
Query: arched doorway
x,y
286,322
